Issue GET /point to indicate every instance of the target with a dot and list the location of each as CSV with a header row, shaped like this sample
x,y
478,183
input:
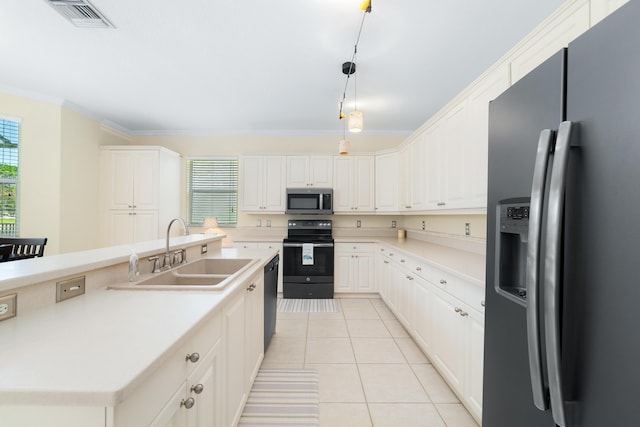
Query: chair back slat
x,y
23,248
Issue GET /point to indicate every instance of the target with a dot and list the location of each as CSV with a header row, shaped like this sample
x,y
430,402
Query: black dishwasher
x,y
270,298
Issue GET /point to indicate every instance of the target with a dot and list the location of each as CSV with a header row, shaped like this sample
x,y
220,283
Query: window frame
x,y
13,181
192,217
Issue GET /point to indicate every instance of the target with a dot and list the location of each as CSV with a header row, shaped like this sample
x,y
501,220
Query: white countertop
x,y
15,274
96,348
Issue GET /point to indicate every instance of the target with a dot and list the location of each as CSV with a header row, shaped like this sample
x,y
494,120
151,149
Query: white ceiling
x,y
215,67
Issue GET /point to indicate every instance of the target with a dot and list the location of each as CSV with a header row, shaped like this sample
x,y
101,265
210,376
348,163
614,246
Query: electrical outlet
x,y
424,225
358,223
467,229
204,249
69,288
258,223
8,304
394,224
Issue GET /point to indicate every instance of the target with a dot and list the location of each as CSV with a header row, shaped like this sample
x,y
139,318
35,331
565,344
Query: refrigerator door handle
x,y
553,271
532,269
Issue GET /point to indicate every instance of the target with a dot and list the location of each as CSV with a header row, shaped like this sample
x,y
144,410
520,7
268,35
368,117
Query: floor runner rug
x,y
290,305
283,397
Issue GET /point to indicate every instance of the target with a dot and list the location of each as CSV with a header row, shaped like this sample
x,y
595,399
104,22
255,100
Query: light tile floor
x,y
371,371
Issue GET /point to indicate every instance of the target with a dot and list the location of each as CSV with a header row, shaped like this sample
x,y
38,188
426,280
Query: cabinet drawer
x,y
448,283
474,297
245,245
354,247
144,404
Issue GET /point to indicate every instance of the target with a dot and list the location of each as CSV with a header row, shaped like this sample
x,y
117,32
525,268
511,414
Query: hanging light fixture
x,y
343,145
356,117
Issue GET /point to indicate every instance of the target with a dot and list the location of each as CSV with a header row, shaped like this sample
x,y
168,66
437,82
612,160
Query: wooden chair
x,y
23,248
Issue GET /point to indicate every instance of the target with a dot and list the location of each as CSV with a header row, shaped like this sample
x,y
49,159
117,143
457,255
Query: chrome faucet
x,y
167,258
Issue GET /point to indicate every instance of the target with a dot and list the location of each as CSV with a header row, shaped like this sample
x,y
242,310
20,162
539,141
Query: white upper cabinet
x,y
413,175
387,182
601,8
139,193
263,183
309,171
353,179
559,31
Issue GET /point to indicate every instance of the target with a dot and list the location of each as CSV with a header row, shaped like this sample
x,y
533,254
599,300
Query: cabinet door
x,y
434,165
145,179
405,181
254,328
382,276
173,414
448,335
418,157
205,386
363,184
478,100
297,169
343,184
364,273
252,188
343,272
422,314
405,295
145,226
119,174
235,389
474,362
274,184
321,171
386,171
453,147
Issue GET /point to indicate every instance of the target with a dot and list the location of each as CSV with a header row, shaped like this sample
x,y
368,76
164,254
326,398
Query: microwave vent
x,y
80,13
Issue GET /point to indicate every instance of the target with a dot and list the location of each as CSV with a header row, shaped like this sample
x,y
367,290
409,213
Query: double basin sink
x,y
203,274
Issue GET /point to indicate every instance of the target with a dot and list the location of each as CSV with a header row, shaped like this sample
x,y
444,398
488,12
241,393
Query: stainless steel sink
x,y
204,274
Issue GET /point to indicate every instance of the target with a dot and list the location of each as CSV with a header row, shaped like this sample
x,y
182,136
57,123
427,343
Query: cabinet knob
x,y
463,313
418,268
188,403
197,389
386,262
458,309
251,287
443,282
482,303
193,357
401,260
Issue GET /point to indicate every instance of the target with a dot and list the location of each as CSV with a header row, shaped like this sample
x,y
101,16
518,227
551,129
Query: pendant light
x,y
343,145
356,117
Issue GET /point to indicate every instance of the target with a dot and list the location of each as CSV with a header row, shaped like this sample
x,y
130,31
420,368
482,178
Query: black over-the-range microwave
x,y
309,201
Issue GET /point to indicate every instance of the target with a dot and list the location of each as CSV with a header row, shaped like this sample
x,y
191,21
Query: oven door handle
x,y
315,245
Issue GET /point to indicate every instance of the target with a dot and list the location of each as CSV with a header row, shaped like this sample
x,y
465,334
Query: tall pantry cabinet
x,y
139,194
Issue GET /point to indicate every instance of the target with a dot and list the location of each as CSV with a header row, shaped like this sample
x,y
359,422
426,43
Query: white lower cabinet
x,y
474,362
422,314
444,315
233,318
448,339
354,267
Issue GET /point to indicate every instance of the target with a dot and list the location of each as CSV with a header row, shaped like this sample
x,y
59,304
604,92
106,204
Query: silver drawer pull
x,y
188,403
443,282
197,389
418,268
482,303
458,309
463,313
193,357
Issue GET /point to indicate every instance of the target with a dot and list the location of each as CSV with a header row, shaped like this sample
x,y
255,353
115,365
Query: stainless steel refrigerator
x,y
562,322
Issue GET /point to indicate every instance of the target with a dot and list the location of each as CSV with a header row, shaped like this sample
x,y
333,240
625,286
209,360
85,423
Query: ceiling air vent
x,y
80,13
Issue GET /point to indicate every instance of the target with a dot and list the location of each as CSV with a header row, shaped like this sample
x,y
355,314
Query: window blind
x,y
9,140
212,190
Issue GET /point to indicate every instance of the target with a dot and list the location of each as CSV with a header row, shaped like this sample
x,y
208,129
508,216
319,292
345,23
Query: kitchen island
x,y
133,357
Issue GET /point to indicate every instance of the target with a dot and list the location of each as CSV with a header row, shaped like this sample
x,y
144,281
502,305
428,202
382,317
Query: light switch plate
x,y
69,288
8,305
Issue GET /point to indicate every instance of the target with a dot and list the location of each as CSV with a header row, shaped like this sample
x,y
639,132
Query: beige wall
x,y
58,172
